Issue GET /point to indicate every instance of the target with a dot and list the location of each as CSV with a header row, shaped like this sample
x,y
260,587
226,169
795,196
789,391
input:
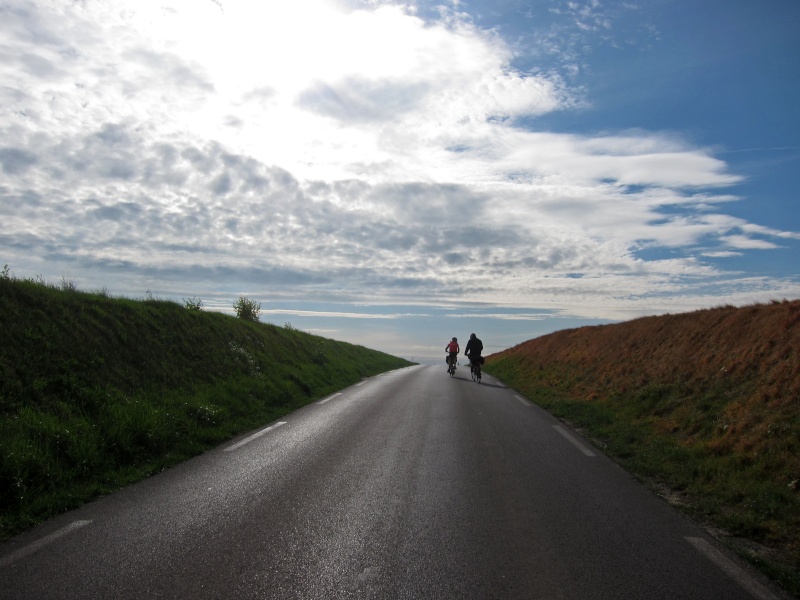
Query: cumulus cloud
x,y
347,154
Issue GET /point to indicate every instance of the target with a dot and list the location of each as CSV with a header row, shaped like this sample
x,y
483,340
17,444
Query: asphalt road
x,y
408,485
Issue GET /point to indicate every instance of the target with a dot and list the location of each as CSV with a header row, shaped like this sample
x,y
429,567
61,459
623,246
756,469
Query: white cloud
x,y
505,316
311,149
743,242
722,254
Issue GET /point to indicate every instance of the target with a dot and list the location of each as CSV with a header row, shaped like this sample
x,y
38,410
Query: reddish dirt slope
x,y
753,353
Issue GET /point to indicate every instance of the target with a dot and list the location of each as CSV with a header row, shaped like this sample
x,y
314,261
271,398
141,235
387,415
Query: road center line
x,y
733,571
48,539
329,398
573,441
256,435
521,399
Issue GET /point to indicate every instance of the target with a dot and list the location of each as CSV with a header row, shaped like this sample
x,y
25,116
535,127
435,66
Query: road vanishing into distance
x,y
407,485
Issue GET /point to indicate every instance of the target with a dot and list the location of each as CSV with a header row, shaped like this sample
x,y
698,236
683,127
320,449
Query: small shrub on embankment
x,y
704,406
97,392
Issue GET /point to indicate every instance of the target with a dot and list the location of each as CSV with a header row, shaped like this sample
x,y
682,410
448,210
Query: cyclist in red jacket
x,y
452,350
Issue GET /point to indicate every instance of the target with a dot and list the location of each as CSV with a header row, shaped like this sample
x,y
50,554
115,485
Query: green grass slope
x,y
97,392
703,406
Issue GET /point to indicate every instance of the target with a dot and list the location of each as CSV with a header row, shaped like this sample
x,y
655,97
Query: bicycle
x,y
475,369
451,367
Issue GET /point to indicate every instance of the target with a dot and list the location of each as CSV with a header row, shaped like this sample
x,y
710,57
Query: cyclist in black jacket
x,y
474,349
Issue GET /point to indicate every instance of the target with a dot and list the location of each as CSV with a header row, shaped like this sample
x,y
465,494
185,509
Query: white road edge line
x,y
521,399
724,563
573,441
48,539
361,383
329,398
257,434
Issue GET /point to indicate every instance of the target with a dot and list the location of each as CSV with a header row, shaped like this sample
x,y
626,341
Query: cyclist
x,y
473,350
452,350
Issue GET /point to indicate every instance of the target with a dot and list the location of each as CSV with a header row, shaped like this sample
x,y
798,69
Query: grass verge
x,y
98,392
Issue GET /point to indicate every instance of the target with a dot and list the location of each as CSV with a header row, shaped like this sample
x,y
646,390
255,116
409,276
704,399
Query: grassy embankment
x,y
704,407
97,392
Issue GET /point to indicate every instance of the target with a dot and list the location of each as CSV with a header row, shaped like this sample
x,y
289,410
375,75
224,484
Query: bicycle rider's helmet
x,y
472,336
455,339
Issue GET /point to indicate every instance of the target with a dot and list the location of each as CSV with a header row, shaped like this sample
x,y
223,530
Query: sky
x,y
395,174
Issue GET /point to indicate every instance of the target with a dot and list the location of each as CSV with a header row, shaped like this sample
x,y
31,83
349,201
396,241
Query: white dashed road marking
x,y
256,435
737,574
329,398
48,539
573,441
